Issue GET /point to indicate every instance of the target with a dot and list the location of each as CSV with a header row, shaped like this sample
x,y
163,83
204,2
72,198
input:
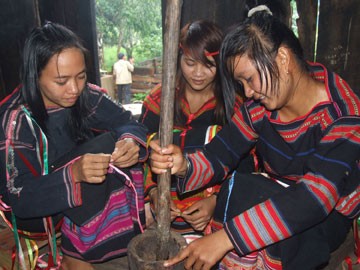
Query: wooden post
x,y
170,52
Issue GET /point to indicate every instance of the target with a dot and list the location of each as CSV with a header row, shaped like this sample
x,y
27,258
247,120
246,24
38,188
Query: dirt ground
x,y
6,242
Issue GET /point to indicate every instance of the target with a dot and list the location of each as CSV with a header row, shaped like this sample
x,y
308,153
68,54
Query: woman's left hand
x,y
126,153
200,213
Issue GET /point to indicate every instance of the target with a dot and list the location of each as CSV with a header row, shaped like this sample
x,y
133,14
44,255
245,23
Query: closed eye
x,y
190,63
61,82
240,83
248,80
82,76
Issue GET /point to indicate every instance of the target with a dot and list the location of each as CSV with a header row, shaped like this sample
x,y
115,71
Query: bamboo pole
x,y
170,52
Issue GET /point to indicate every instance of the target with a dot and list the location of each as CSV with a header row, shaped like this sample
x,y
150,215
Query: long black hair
x,y
196,38
42,44
259,38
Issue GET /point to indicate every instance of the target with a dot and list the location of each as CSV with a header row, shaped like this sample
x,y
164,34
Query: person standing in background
x,y
123,78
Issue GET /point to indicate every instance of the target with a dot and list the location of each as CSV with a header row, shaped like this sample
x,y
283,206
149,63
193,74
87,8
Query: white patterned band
x,y
259,8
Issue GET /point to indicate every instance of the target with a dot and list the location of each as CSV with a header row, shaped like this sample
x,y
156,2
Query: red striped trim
x,y
244,234
202,169
278,220
322,197
76,188
349,204
27,163
199,168
315,184
244,129
209,105
152,100
254,230
343,132
346,92
8,96
144,115
266,223
257,113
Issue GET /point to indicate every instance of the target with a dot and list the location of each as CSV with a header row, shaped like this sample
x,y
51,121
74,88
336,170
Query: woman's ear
x,y
283,59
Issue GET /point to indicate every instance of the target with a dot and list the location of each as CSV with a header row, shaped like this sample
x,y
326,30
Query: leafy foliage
x,y
139,97
131,25
110,57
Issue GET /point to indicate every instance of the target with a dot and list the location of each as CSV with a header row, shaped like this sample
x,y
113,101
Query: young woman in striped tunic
x,y
199,113
304,121
52,112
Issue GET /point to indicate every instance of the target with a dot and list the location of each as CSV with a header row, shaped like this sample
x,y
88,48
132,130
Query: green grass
x,y
110,57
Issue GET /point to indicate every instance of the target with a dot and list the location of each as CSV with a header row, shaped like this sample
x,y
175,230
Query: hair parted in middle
x,y
197,40
42,44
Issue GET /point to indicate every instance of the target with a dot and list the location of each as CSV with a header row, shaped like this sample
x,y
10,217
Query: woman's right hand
x,y
169,157
204,252
91,168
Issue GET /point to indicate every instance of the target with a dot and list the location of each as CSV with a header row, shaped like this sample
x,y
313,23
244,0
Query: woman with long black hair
x,y
50,115
304,122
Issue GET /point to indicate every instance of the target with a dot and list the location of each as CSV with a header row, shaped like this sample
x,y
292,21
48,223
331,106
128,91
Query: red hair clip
x,y
206,53
211,53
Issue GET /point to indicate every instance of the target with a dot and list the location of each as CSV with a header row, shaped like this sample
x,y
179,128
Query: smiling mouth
x,y
198,81
72,100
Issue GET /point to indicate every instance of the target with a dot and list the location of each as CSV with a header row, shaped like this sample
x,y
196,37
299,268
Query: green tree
x,y
131,25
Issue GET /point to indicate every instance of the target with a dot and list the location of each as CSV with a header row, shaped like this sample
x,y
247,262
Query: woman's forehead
x,y
67,61
241,63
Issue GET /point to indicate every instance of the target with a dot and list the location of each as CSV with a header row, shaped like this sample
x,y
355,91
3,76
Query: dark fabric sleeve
x,y
108,115
29,193
222,155
331,171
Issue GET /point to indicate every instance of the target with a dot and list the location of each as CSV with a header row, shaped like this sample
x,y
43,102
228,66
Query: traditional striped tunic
x,y
318,153
109,221
199,129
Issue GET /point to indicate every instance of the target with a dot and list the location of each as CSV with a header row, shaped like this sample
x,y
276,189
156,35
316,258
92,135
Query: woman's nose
x,y
198,69
74,87
248,92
